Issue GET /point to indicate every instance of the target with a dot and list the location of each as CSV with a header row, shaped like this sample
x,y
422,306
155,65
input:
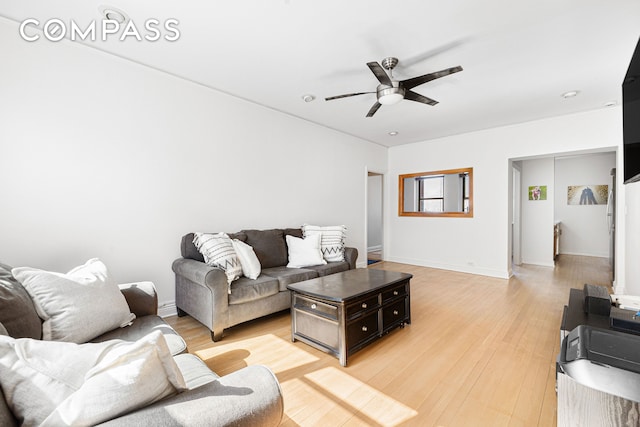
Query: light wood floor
x,y
480,351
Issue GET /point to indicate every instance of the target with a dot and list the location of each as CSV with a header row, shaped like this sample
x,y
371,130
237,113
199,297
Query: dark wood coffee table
x,y
344,312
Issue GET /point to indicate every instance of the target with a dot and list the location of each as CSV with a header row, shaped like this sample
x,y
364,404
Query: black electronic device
x,y
625,320
596,300
631,119
603,359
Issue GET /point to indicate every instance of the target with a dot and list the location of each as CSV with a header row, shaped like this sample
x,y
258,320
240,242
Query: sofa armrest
x,y
202,292
198,272
141,297
351,256
248,397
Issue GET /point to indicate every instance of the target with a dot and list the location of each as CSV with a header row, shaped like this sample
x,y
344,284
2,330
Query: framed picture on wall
x,y
538,192
587,194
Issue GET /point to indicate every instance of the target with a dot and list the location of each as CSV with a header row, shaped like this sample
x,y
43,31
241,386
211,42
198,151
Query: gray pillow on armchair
x,y
17,313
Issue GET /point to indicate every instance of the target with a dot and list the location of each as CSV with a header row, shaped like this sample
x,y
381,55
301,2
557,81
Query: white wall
x,y
482,244
585,230
101,157
374,212
537,215
631,213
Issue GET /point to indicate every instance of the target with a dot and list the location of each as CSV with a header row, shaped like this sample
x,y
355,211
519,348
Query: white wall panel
x,y
101,157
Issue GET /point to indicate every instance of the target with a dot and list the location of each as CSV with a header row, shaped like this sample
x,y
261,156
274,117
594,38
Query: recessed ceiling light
x,y
393,133
610,104
112,14
570,94
308,98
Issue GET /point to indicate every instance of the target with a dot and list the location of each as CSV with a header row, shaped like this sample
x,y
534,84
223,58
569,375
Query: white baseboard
x,y
583,254
167,309
540,263
471,269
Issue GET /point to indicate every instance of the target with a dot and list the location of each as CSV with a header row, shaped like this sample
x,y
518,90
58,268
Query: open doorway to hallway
x,y
555,222
375,225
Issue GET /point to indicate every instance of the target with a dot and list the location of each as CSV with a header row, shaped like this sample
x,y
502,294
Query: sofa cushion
x,y
269,246
76,306
330,268
189,250
218,251
248,260
60,383
286,275
333,238
6,416
17,312
295,232
245,290
304,252
141,327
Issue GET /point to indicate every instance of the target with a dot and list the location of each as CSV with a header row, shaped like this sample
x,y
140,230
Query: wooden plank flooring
x,y
480,351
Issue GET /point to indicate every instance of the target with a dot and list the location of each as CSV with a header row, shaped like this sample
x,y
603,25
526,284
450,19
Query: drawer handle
x,y
314,306
395,312
395,293
364,329
364,305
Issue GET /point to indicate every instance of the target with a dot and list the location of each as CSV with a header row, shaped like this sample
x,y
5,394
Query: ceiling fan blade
x,y
373,109
346,95
413,96
381,75
417,81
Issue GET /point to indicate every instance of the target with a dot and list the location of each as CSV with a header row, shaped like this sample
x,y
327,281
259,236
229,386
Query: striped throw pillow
x,y
217,250
332,240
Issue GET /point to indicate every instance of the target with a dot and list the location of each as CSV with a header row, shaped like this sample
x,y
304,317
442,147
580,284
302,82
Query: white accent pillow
x,y
248,260
304,252
60,383
332,243
77,306
218,251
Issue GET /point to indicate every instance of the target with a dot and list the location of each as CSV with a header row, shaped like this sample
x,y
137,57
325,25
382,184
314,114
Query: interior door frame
x,y
369,173
516,233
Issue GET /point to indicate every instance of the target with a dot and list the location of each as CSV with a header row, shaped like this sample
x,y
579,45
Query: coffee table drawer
x,y
361,307
400,291
322,331
362,329
394,314
315,307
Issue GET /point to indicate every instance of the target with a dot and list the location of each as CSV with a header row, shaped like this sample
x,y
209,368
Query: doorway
x,y
375,227
516,257
540,219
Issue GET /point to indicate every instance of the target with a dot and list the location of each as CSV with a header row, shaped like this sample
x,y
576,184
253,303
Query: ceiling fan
x,y
392,91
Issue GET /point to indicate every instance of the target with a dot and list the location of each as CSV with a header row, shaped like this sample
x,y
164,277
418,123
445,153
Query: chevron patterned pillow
x,y
217,250
332,240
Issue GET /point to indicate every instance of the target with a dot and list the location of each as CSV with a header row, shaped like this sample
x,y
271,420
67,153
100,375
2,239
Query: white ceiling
x,y
518,56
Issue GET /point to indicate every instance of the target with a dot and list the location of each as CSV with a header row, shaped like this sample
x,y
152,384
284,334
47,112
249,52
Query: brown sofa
x,y
202,290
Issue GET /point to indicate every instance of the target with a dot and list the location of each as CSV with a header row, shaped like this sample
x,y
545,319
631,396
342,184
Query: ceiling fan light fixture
x,y
390,95
390,99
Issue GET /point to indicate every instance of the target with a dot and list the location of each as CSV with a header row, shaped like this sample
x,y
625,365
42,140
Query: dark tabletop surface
x,y
576,316
341,287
